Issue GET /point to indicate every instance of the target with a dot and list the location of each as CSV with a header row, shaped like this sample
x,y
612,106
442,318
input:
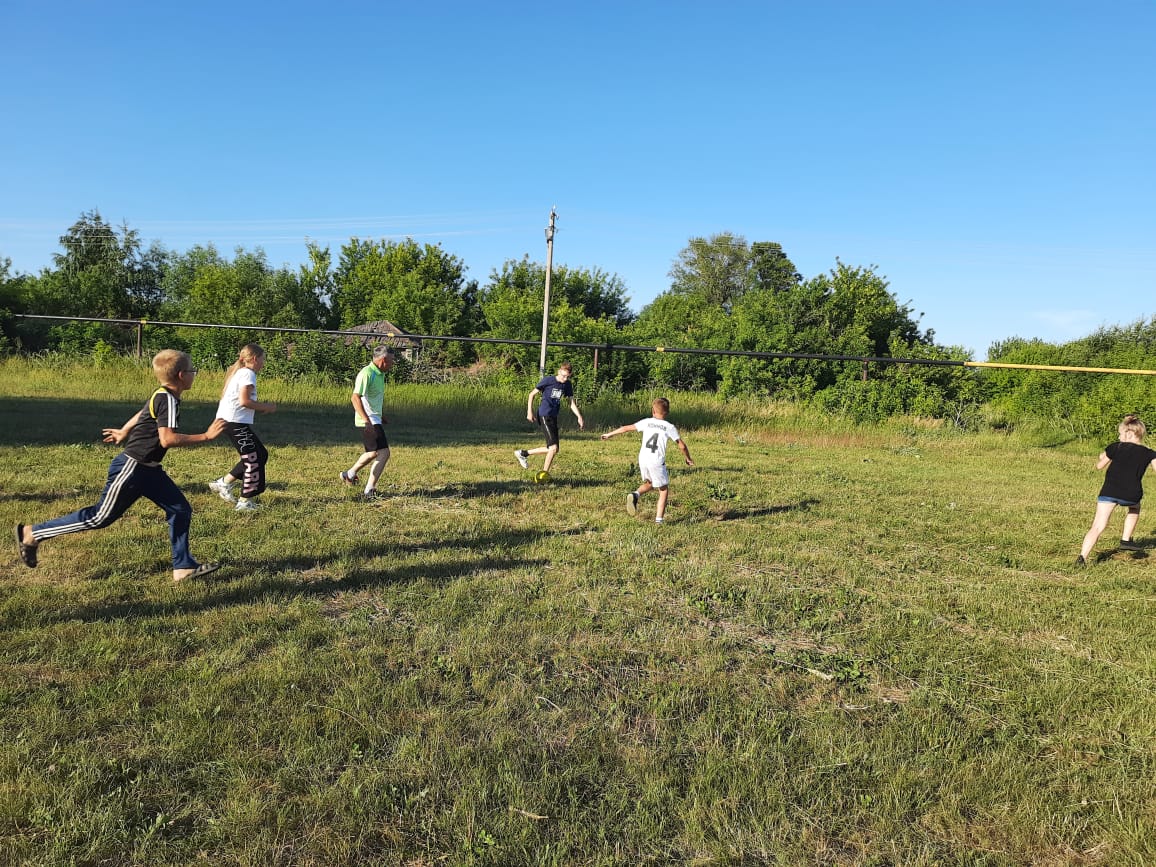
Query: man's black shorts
x,y
373,438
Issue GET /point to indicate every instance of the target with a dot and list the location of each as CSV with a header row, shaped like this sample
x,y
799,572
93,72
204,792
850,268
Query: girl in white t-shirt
x,y
237,407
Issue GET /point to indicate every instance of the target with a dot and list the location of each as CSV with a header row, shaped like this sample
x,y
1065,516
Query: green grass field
x,y
846,646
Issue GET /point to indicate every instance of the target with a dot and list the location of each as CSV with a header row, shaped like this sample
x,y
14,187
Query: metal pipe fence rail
x,y
141,324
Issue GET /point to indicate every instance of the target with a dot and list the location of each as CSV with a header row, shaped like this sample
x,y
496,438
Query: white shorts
x,y
656,474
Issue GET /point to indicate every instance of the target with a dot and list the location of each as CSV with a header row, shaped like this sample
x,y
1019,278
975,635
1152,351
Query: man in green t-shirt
x,y
367,399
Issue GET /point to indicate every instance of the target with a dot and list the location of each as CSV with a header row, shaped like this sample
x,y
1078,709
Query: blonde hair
x,y
1132,423
245,356
663,404
168,364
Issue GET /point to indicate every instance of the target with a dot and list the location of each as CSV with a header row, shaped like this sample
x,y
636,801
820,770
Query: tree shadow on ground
x,y
28,421
737,514
247,581
467,490
1120,554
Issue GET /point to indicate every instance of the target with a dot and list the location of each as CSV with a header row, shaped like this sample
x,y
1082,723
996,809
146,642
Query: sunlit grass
x,y
848,646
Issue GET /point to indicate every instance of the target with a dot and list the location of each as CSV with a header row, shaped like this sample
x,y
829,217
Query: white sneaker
x,y
247,506
520,454
222,490
632,503
348,479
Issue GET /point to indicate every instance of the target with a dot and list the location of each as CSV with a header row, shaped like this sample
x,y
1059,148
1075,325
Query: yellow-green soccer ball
x,y
541,477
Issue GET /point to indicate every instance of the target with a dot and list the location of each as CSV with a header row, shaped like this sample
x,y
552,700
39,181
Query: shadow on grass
x,y
470,490
32,421
731,514
1120,554
245,581
23,497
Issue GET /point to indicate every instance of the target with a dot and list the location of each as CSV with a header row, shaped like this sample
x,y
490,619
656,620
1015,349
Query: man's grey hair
x,y
380,350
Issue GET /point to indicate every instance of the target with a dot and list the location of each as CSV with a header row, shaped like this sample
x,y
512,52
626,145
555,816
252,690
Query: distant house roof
x,y
381,331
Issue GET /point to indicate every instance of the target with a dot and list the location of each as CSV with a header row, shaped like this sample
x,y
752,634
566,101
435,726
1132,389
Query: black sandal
x,y
27,552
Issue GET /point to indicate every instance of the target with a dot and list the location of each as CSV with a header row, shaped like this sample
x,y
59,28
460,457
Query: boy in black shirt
x,y
136,472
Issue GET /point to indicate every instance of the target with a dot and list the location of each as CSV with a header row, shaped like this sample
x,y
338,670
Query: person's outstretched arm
x,y
685,453
619,430
171,439
119,434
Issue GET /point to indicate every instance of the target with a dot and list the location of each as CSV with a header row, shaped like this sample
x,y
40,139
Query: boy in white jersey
x,y
656,431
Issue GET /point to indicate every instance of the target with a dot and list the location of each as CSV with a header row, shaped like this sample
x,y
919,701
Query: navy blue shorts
x,y
1117,501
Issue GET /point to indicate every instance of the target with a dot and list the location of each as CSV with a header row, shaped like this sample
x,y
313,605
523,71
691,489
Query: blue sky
x,y
994,160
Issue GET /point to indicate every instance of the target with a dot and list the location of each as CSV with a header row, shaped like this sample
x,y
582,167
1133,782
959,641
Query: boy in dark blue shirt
x,y
552,389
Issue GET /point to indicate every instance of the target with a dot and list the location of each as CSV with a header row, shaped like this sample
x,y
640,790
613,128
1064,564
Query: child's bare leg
x,y
644,488
660,510
550,453
1099,524
1130,521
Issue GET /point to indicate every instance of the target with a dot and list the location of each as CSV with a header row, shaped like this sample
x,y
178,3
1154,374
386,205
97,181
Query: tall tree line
x,y
724,294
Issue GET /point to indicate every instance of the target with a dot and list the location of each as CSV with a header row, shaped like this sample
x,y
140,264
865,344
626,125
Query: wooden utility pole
x,y
546,302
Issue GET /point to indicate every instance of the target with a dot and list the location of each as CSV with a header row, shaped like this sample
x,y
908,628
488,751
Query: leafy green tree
x,y
586,306
864,317
709,279
782,321
13,288
419,288
205,287
953,393
717,269
686,320
317,281
846,312
102,272
771,269
1080,404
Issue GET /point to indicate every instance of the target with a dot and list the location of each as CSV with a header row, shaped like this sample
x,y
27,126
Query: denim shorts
x,y
1117,501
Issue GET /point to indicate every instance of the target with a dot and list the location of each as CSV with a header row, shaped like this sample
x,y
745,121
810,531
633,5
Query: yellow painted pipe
x,y
1059,367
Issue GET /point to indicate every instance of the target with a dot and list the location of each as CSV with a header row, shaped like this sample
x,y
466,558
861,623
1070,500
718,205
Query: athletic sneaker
x,y
521,455
247,506
1130,545
223,490
659,521
1081,562
348,479
371,496
632,503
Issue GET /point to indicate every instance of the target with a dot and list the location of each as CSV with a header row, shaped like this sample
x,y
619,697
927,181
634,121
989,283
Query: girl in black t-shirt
x,y
1126,460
